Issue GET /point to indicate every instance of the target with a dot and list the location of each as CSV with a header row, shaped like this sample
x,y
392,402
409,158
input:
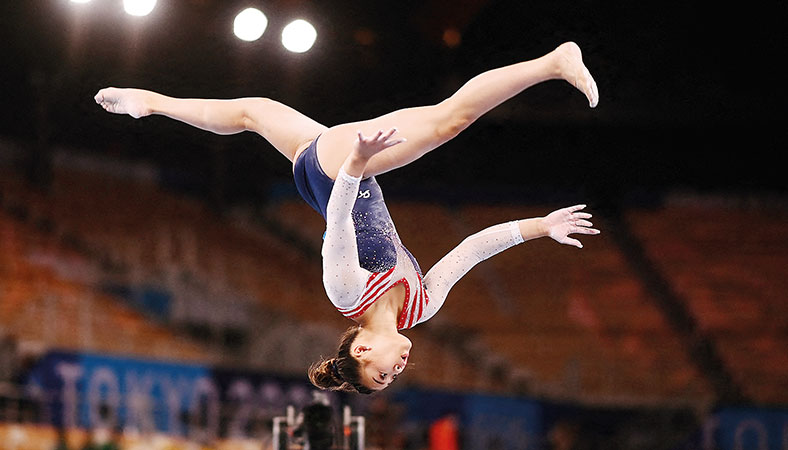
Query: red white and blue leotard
x,y
363,256
417,299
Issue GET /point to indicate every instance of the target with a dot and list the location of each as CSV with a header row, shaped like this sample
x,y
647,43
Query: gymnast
x,y
368,274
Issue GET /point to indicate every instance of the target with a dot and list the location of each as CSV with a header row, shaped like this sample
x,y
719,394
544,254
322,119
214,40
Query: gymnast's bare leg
x,y
423,128
427,127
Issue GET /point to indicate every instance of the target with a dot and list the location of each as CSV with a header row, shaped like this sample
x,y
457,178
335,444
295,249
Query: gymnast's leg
x,y
427,127
286,129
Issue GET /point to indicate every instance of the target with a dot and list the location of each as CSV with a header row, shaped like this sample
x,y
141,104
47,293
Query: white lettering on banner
x,y
103,377
69,373
759,431
139,396
174,392
241,394
205,392
151,400
709,428
748,434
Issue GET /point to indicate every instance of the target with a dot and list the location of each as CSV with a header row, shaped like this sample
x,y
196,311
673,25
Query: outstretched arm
x,y
495,239
343,277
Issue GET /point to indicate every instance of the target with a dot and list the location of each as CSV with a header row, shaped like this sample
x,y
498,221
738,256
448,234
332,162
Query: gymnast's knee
x,y
453,120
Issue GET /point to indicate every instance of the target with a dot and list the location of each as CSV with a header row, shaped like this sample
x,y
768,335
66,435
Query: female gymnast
x,y
368,274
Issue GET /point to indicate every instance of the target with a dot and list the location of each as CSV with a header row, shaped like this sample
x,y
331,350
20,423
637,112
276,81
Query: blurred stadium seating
x,y
119,266
728,265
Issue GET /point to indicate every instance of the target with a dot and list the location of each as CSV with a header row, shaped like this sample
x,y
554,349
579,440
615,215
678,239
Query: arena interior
x,y
160,286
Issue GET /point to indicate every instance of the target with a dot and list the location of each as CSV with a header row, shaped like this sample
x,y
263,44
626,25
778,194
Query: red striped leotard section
x,y
379,283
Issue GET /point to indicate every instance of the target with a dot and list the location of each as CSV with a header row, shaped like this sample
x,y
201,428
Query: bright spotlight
x,y
299,36
250,24
139,7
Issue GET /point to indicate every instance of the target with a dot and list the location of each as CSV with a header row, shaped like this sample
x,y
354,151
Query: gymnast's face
x,y
382,358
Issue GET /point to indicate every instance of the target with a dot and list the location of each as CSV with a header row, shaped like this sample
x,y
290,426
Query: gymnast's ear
x,y
359,350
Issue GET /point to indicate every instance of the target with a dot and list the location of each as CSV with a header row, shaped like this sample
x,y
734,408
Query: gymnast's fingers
x,y
584,223
579,215
394,142
573,242
584,230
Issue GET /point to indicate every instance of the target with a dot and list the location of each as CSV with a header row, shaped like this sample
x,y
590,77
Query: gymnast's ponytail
x,y
342,373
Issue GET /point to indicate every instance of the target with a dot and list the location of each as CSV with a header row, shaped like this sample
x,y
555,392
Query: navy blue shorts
x,y
375,233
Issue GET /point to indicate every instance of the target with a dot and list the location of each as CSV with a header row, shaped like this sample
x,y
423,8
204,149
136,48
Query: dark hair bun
x,y
341,373
322,375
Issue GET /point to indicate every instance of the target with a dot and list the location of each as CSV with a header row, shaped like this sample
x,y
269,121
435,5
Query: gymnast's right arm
x,y
343,278
217,116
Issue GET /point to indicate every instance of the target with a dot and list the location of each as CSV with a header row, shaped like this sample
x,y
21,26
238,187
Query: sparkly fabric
x,y
353,289
378,283
363,256
375,233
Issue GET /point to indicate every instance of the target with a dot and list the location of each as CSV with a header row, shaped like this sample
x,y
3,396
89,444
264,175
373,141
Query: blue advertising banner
x,y
504,423
746,429
486,421
89,391
201,402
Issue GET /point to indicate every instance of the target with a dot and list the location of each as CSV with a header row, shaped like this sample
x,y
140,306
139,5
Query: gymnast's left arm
x,y
476,248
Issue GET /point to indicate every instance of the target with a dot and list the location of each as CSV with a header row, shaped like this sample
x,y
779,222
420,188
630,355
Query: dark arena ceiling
x,y
691,94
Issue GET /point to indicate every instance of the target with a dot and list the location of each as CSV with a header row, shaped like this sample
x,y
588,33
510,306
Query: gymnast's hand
x,y
124,101
563,222
367,147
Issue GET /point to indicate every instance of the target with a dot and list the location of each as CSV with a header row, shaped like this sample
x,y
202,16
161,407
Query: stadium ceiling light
x,y
139,7
299,36
250,24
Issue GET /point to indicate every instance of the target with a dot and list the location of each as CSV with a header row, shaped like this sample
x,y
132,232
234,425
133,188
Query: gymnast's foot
x,y
571,68
124,101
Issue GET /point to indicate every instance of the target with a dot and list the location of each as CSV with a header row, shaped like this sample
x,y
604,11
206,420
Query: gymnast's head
x,y
366,362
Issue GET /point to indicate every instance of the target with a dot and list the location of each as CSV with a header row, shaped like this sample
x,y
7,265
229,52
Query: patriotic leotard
x,y
363,256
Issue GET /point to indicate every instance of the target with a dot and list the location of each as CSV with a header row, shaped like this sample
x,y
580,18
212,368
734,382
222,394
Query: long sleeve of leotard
x,y
473,250
343,278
